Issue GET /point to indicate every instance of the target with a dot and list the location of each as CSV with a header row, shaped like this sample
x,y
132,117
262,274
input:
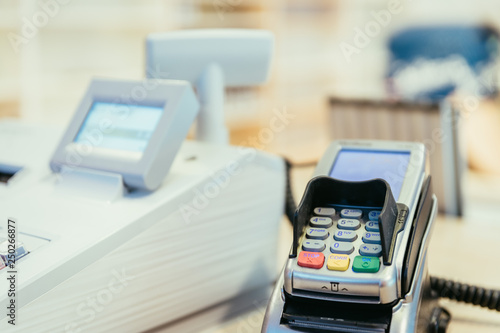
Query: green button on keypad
x,y
363,264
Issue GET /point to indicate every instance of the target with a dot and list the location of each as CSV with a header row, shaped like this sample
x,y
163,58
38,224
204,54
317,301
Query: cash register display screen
x,y
119,126
359,165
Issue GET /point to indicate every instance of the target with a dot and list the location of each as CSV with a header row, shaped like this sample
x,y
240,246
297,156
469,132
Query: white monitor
x,y
211,59
243,55
131,128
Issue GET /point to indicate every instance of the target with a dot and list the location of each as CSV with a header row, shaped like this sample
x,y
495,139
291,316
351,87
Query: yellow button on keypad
x,y
338,262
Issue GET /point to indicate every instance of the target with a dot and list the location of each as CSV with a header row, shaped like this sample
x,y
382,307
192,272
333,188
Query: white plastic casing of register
x,y
207,234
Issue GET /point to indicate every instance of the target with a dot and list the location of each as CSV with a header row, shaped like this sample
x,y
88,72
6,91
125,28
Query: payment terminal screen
x,y
359,165
119,126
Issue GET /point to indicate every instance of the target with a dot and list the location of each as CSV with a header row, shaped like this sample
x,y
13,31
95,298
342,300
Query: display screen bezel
x,y
414,173
171,95
121,109
390,179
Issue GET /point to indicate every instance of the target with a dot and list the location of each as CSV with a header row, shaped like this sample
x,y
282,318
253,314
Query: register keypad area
x,y
333,237
25,244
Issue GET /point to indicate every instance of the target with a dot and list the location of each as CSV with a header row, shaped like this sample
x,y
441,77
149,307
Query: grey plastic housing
x,y
144,170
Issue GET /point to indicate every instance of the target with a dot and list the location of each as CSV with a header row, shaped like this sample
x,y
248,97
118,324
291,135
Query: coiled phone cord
x,y
460,292
487,298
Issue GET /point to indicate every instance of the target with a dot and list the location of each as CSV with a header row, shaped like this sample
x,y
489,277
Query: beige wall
x,y
45,79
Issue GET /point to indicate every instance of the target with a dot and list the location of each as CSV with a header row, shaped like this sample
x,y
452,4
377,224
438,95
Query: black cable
x,y
460,292
486,298
290,205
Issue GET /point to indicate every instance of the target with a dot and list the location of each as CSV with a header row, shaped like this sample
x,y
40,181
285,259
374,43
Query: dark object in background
x,y
429,63
435,124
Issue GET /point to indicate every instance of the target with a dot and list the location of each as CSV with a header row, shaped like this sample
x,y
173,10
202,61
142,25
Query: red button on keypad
x,y
311,259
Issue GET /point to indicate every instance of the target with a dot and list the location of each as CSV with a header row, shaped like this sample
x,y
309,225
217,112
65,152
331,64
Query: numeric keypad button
x,y
373,215
313,245
324,211
349,224
371,237
371,250
341,247
372,226
317,233
345,236
351,213
321,222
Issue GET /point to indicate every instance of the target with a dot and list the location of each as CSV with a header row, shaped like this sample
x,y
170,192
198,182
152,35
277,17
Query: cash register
x,y
119,224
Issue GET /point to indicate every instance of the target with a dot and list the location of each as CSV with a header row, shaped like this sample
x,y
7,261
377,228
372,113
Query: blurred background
x,y
416,70
408,70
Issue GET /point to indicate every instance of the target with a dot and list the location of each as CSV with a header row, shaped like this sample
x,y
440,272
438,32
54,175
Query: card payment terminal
x,y
361,231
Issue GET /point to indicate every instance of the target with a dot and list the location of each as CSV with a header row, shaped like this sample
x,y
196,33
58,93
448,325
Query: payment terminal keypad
x,y
339,239
345,236
349,224
371,237
372,226
321,222
311,259
317,233
342,247
324,211
313,245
